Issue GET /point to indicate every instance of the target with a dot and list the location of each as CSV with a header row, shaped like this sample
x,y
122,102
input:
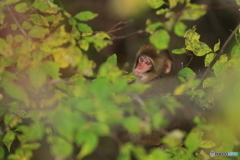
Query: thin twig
x,y
19,26
112,29
125,36
219,54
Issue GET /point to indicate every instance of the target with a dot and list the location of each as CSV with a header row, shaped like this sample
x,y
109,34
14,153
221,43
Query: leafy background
x,y
50,52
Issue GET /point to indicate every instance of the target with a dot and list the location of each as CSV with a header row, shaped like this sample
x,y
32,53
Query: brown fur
x,y
162,82
162,63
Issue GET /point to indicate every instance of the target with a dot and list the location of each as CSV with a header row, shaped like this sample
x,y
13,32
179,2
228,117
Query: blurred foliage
x,y
36,104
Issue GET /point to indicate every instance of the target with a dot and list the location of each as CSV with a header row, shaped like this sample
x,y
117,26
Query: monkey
x,y
154,68
146,66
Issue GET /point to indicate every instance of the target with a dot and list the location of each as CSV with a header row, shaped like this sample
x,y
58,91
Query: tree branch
x,y
17,23
221,51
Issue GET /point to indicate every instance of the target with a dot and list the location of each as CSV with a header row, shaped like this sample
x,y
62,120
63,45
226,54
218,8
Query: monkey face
x,y
143,66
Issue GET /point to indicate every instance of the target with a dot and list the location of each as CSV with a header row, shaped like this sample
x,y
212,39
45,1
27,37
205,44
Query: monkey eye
x,y
141,59
148,62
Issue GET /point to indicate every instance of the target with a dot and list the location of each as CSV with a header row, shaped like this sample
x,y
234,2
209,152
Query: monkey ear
x,y
168,66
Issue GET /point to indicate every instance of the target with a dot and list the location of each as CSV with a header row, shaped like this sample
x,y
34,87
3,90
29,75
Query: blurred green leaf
x,y
238,2
207,144
152,27
112,60
131,124
221,65
160,39
216,46
84,44
180,28
193,12
1,152
38,32
155,3
173,3
85,16
162,11
155,154
84,27
37,77
179,51
193,44
72,21
39,20
208,59
46,6
89,142
16,91
186,72
210,81
51,69
61,148
31,146
21,7
14,26
193,140
174,138
8,139
235,52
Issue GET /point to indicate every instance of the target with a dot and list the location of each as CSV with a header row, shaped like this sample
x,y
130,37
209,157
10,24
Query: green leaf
x,y
131,124
14,26
207,144
1,152
160,39
61,148
193,44
185,72
162,11
19,38
8,139
221,65
31,146
155,154
180,28
21,7
173,3
210,81
39,20
51,69
238,2
152,27
89,142
155,3
15,91
84,27
179,51
235,52
45,6
216,46
37,77
193,140
26,25
112,60
38,32
84,44
208,59
72,21
193,12
85,15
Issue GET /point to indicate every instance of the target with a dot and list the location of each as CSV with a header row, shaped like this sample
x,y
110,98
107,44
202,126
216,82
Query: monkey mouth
x,y
141,74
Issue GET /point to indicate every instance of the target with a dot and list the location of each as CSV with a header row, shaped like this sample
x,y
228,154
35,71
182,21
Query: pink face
x,y
143,66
